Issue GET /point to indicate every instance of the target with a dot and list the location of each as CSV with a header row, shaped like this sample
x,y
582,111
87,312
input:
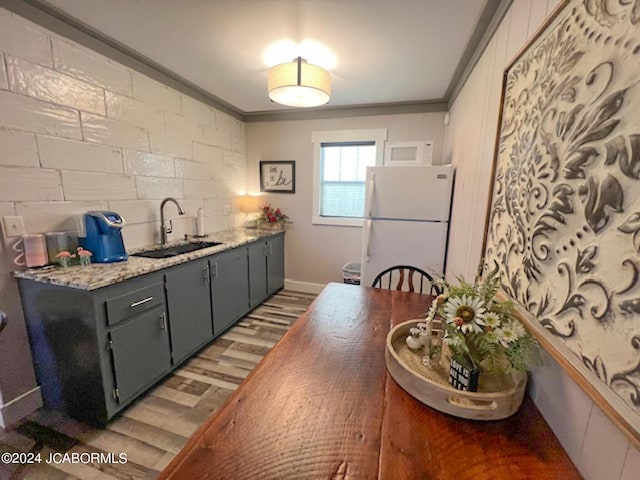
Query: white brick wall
x,y
29,184
200,188
81,132
147,164
64,154
7,208
28,114
216,137
18,148
54,216
198,112
99,129
41,82
133,112
22,39
95,186
207,154
91,67
153,93
152,187
191,170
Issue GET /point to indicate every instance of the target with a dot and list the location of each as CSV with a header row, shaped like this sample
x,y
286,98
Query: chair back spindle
x,y
405,272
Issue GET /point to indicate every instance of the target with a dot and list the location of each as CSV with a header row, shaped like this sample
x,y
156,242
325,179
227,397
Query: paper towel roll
x,y
200,222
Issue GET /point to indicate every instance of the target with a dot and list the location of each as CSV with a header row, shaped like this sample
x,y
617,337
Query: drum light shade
x,y
250,203
299,84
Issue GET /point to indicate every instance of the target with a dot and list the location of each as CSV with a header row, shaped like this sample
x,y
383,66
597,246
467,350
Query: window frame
x,y
376,135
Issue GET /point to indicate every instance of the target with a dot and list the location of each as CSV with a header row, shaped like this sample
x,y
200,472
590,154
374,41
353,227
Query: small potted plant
x,y
273,217
480,334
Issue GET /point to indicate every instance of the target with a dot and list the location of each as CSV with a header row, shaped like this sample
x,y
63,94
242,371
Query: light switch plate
x,y
12,226
227,208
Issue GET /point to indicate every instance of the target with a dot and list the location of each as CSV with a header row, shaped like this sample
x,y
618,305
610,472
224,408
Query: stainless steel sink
x,y
175,250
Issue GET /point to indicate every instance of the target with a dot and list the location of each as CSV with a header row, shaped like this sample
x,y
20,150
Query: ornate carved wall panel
x,y
565,213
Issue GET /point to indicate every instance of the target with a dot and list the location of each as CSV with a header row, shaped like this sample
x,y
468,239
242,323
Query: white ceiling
x,y
384,51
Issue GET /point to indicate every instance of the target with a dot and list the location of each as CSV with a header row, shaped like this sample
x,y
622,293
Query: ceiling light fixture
x,y
299,84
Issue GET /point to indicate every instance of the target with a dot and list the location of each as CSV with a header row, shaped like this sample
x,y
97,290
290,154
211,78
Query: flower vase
x,y
271,226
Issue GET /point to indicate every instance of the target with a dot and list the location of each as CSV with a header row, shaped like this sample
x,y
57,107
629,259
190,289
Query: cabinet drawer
x,y
132,303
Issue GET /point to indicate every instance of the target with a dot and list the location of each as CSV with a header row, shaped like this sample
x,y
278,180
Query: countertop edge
x,y
99,275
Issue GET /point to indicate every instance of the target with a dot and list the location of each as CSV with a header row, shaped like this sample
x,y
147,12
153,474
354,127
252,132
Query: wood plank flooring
x,y
152,430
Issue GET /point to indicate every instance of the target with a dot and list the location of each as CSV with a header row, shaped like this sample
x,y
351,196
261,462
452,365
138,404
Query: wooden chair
x,y
405,272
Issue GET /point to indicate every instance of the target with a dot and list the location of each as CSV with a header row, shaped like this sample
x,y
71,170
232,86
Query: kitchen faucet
x,y
166,230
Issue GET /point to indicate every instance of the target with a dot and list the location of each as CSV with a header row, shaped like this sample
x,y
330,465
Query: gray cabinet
x,y
189,306
266,268
257,273
229,287
137,335
275,264
95,351
140,350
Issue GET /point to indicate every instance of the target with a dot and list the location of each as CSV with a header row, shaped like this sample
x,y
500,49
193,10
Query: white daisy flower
x,y
506,334
492,320
518,329
491,337
466,312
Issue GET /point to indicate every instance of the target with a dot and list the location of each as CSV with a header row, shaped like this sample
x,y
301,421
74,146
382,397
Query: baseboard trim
x,y
20,407
304,287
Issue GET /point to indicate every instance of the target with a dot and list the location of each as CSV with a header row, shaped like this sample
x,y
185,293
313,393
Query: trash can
x,y
351,273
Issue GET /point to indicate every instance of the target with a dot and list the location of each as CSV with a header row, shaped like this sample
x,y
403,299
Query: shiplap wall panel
x,y
518,27
471,139
596,446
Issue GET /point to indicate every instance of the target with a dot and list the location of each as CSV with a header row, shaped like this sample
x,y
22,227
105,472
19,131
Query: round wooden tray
x,y
497,396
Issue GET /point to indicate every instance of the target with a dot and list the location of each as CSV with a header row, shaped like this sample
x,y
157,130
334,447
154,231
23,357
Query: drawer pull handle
x,y
163,322
140,302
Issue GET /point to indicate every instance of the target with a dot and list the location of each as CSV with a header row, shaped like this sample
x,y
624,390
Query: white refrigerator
x,y
406,218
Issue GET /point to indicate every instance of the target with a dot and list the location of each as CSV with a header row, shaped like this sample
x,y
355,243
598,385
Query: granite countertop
x,y
99,275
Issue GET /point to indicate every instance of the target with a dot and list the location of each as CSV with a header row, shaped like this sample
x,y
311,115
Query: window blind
x,y
342,177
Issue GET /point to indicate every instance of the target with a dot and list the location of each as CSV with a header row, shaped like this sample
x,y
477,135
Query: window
x,y
341,159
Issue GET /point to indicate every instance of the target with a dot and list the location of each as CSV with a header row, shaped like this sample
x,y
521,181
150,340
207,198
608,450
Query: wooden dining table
x,y
321,405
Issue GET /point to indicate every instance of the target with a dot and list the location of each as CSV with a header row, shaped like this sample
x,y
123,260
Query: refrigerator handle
x,y
372,186
367,239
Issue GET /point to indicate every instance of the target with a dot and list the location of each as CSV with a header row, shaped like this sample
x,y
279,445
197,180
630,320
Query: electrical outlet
x,y
12,226
227,209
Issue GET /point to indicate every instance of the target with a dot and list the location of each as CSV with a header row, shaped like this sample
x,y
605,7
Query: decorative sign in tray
x,y
497,396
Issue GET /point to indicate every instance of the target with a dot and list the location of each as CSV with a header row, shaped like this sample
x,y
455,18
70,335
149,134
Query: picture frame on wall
x,y
278,176
564,221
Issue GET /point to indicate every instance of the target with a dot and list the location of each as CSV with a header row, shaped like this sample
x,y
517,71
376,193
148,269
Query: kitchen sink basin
x,y
175,250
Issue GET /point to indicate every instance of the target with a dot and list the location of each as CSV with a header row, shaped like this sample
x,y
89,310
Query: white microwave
x,y
408,153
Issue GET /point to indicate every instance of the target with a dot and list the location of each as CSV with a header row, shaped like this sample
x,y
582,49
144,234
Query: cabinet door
x,y
275,264
257,273
229,288
189,306
140,352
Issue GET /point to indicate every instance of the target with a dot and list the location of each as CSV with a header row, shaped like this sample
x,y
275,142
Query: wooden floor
x,y
156,427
